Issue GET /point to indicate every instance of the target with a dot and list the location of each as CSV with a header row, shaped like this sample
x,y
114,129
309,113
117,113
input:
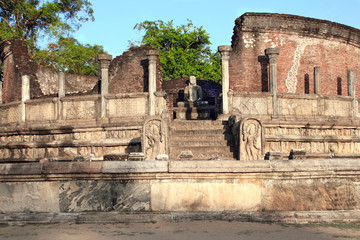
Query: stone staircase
x,y
206,139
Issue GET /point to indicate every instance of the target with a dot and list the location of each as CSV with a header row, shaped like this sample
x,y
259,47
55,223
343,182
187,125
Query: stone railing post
x,y
272,54
61,78
225,56
25,95
317,86
105,60
352,93
152,57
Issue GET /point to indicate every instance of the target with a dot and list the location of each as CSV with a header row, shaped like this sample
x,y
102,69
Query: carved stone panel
x,y
251,140
154,140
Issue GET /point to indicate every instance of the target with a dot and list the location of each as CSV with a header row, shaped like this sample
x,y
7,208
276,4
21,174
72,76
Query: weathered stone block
x,y
29,197
136,156
186,156
274,155
297,154
134,166
81,196
307,195
210,196
116,157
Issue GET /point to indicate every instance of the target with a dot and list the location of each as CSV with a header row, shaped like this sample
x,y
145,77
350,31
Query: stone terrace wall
x,y
303,42
128,73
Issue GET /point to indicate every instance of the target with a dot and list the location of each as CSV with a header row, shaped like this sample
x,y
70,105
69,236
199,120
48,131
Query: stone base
x,y
299,217
189,111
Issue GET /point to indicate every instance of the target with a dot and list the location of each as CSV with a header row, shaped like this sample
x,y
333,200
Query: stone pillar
x,y
272,54
352,93
61,78
105,60
264,62
317,86
225,56
152,56
1,92
25,95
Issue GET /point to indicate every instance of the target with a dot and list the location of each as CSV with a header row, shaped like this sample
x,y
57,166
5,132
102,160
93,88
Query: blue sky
x,y
115,19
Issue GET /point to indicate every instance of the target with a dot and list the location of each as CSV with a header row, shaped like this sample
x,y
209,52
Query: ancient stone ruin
x,y
277,140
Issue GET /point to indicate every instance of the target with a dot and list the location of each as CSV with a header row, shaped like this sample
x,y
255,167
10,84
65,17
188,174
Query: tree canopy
x,y
69,55
32,19
184,50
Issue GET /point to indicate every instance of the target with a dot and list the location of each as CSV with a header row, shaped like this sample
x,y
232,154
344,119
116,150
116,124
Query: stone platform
x,y
284,191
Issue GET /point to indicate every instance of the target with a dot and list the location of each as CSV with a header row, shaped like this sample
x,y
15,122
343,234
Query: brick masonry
x,y
303,42
128,73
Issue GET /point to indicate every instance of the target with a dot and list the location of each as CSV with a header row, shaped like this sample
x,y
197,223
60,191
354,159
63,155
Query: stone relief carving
x,y
154,139
251,140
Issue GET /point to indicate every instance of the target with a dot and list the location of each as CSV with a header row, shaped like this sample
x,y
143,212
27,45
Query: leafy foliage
x,y
68,55
32,19
184,50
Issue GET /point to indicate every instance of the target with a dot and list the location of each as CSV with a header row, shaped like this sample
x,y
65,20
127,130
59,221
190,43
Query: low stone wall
x,y
79,108
180,186
10,113
295,105
66,140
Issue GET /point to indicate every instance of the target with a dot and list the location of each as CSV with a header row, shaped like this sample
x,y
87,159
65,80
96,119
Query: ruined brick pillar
x,y
225,56
272,54
152,57
105,60
317,86
61,79
25,95
352,93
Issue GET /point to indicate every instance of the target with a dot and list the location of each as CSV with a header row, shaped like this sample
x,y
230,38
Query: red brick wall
x,y
128,73
17,63
303,42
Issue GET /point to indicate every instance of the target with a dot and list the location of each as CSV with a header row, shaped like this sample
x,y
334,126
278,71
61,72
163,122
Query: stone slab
x,y
104,196
302,217
219,166
20,168
207,196
71,167
29,197
311,194
134,166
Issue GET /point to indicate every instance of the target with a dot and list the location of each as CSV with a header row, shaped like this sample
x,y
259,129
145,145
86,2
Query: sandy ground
x,y
200,230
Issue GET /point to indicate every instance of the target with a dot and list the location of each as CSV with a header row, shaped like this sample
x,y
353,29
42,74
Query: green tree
x,y
69,55
184,50
33,19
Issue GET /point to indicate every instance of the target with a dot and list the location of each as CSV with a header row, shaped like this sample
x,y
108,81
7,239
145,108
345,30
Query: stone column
x,y
25,95
225,56
317,86
264,62
61,78
352,93
272,54
105,60
152,56
1,92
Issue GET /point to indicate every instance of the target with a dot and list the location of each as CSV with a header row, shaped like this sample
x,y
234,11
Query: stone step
x,y
193,125
196,143
201,137
200,132
202,153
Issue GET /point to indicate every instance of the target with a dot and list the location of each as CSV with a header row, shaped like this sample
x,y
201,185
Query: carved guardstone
x,y
251,140
154,140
